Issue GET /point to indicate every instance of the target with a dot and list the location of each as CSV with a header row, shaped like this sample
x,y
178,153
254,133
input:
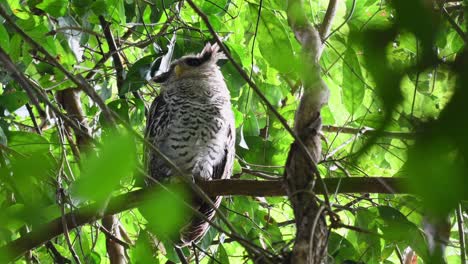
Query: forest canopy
x,y
387,82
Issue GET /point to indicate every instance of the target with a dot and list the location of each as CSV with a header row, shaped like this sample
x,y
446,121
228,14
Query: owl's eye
x,y
193,62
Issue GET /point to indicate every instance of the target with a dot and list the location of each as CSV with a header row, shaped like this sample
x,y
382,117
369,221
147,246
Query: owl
x,y
192,123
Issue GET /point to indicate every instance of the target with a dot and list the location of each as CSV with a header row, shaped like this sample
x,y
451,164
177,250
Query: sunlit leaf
x,y
56,8
353,87
114,160
166,212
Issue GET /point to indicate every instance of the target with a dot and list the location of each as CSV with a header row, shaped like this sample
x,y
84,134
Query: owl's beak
x,y
179,70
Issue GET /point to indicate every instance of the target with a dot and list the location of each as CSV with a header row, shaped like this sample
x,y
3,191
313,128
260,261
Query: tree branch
x,y
311,241
119,70
370,132
93,212
328,19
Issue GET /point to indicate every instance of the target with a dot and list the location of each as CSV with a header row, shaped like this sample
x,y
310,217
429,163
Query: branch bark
x,y
310,245
93,212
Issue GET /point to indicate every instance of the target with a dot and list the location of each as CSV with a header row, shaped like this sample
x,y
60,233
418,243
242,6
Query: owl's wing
x,y
197,227
156,124
223,169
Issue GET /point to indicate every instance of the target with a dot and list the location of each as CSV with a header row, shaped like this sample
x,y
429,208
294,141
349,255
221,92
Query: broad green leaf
x,y
142,252
273,41
340,248
120,107
18,9
138,114
397,228
368,244
4,39
56,8
136,76
215,7
353,87
37,30
251,127
27,143
94,258
166,212
114,160
447,179
11,101
221,255
11,217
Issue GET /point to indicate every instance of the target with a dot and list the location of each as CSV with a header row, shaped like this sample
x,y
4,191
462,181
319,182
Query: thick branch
x,y
310,245
133,199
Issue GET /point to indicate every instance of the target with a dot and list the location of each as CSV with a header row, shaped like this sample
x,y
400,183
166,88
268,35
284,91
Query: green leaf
x,y
369,244
273,41
18,9
136,76
340,248
114,160
12,101
4,39
93,258
120,107
397,228
215,7
353,87
3,137
166,212
27,143
138,114
11,217
221,256
56,8
142,252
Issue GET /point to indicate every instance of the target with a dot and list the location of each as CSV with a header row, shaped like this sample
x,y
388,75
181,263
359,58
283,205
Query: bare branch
x,y
368,132
461,233
311,242
328,19
114,51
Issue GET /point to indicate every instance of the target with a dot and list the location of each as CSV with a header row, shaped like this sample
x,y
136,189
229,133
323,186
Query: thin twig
x,y
454,24
461,233
112,237
370,132
33,119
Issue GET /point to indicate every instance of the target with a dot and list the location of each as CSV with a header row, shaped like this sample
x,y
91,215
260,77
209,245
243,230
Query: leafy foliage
x,y
398,67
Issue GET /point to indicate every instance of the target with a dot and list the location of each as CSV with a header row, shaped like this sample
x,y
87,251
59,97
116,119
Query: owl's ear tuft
x,y
212,53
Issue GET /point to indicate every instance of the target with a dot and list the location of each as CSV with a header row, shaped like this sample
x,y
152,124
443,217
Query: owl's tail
x,y
197,228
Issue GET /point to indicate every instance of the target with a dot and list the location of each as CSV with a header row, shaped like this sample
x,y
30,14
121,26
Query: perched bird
x,y
192,123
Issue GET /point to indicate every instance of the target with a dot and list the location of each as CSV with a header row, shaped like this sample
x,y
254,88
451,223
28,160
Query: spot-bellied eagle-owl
x,y
192,123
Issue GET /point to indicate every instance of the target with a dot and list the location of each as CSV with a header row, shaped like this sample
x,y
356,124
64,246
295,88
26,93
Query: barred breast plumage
x,y
191,122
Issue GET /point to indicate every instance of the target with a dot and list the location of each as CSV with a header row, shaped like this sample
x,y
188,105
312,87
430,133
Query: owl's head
x,y
193,66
